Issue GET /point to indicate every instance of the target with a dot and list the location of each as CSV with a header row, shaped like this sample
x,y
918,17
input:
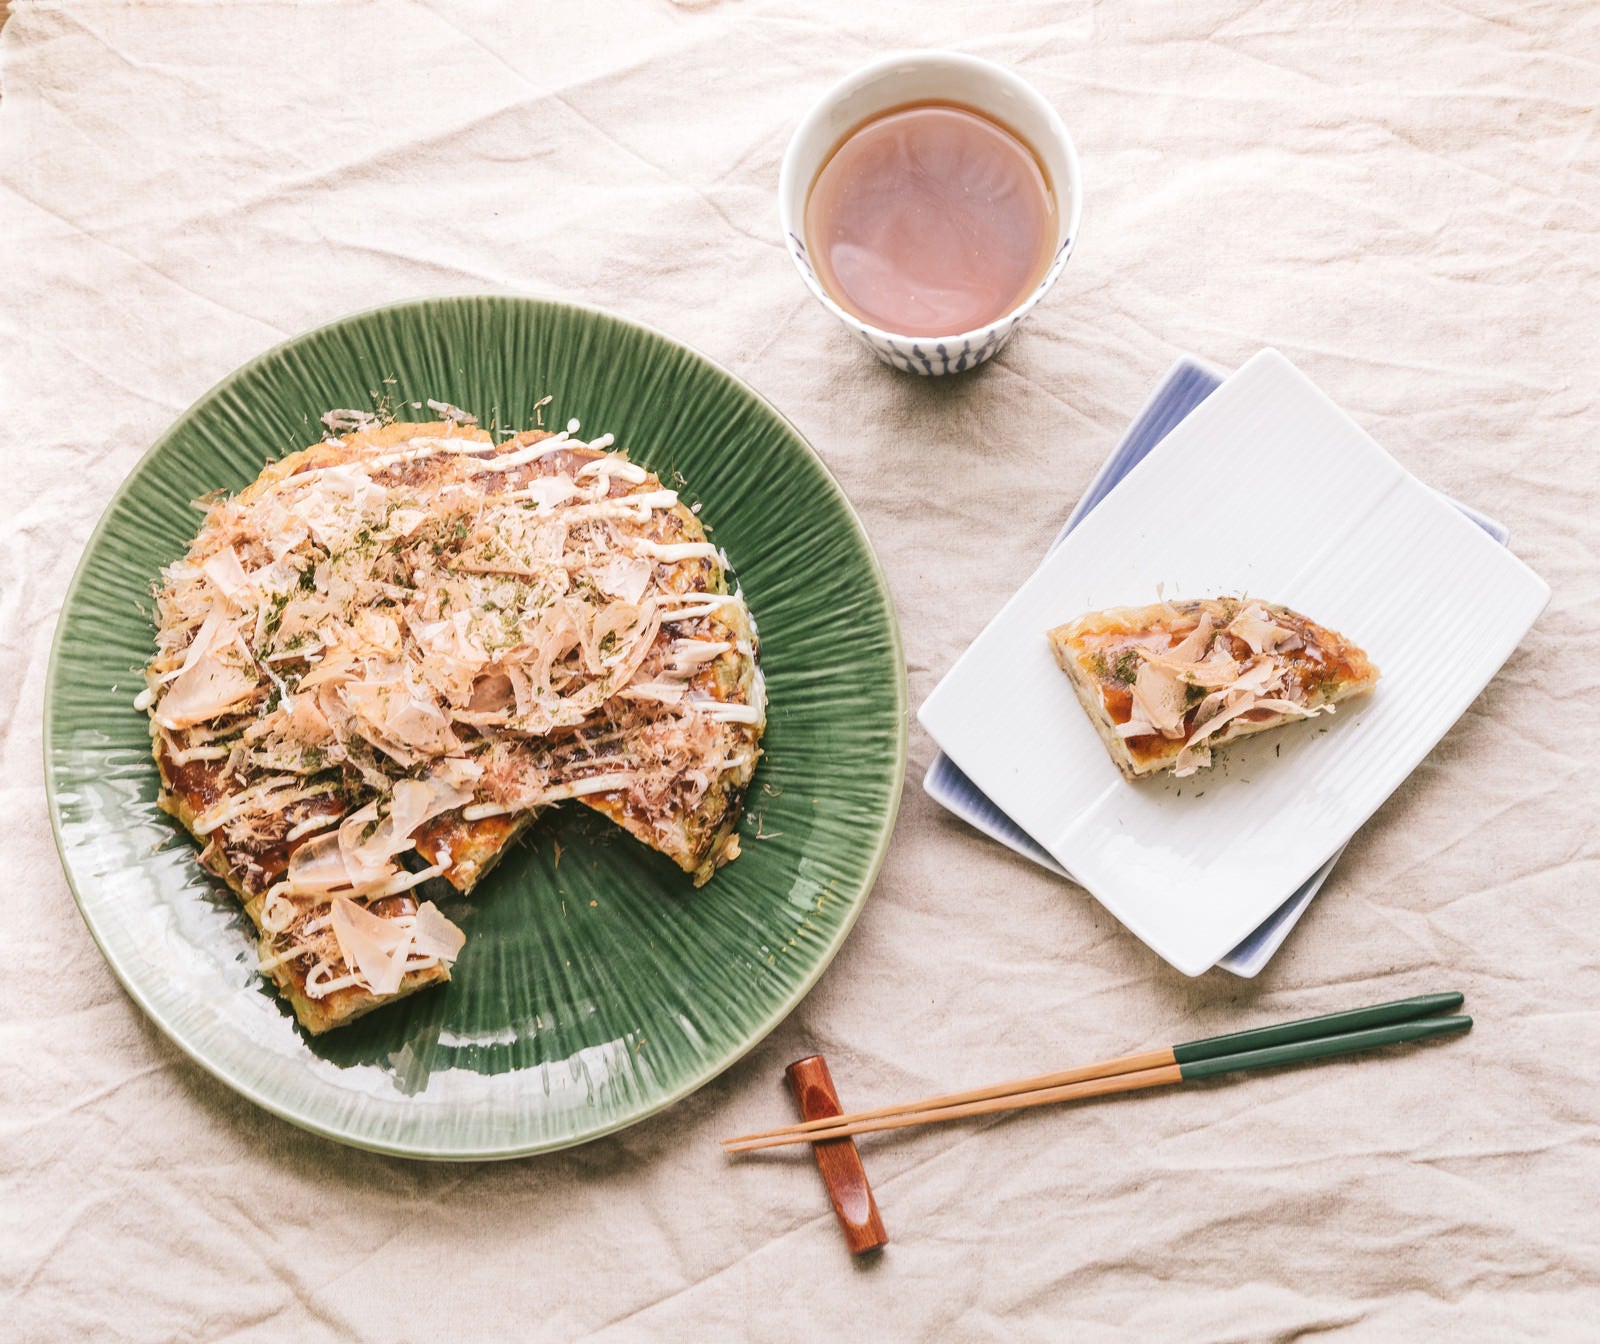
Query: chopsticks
x,y
1257,1048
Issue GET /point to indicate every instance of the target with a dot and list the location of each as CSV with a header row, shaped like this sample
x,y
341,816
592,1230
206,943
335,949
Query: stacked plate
x,y
1255,484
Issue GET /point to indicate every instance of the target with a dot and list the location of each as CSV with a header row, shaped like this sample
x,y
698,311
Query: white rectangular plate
x,y
1186,385
1269,489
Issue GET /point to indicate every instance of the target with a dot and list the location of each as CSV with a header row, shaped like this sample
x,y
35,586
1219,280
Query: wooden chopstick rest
x,y
837,1159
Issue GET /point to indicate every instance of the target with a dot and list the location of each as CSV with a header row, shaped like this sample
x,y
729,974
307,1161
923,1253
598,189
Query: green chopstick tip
x,y
1325,1047
1420,1006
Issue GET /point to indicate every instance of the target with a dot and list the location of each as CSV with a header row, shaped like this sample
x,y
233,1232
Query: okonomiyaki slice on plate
x,y
1166,683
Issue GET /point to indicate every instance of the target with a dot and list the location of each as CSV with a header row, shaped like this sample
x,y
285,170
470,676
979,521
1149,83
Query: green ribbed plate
x,y
596,986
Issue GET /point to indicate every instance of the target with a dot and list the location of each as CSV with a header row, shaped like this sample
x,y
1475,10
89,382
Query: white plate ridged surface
x,y
1267,489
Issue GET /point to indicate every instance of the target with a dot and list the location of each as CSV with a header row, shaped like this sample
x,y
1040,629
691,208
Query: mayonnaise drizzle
x,y
511,597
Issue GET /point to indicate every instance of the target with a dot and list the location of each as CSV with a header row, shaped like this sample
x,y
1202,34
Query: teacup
x,y
923,77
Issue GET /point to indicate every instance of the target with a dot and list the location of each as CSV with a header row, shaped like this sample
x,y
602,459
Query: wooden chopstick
x,y
1293,1053
1282,1033
1124,1073
1044,1096
1106,1068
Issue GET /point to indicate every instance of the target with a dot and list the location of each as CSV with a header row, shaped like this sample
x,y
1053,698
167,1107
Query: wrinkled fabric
x,y
1404,198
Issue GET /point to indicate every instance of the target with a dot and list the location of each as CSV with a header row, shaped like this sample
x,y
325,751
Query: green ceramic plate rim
x,y
758,1033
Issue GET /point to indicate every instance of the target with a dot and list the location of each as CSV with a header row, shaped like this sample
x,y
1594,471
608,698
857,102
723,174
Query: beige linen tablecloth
x,y
1403,198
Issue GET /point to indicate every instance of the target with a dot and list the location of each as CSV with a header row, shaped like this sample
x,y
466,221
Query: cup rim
x,y
793,229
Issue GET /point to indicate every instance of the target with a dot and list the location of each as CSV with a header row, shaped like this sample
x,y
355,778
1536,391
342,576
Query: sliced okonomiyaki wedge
x,y
670,753
408,640
692,767
1164,684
